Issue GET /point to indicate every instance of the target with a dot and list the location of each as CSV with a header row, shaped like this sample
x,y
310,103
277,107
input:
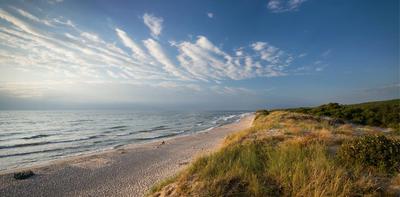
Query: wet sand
x,y
128,171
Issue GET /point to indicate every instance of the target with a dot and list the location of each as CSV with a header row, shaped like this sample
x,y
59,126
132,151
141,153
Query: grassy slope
x,y
379,113
282,154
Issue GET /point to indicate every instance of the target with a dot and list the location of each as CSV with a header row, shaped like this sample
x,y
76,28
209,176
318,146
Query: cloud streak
x,y
279,6
153,23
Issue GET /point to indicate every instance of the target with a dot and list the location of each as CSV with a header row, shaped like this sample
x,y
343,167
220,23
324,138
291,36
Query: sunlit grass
x,y
282,154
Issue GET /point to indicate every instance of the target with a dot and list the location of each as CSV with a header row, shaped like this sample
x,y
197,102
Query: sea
x,y
32,137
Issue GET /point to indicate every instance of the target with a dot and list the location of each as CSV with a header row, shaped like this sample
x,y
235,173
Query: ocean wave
x,y
29,153
45,151
159,128
35,136
48,142
83,120
118,127
158,137
24,145
209,129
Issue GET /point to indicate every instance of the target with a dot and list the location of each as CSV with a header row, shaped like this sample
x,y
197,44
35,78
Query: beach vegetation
x,y
294,154
380,113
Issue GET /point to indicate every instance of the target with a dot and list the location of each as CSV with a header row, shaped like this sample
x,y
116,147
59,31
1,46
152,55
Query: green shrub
x,y
380,113
372,151
262,112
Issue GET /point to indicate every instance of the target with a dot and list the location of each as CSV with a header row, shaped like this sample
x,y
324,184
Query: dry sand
x,y
127,171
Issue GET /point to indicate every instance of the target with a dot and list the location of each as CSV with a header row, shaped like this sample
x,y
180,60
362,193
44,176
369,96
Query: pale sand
x,y
128,171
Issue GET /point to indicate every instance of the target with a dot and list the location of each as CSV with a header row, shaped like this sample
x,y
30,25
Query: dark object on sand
x,y
23,175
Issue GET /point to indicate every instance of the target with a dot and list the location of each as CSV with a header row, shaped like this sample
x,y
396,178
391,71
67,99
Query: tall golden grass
x,y
282,154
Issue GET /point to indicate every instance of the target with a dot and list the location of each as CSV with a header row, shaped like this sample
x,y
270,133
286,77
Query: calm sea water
x,y
32,137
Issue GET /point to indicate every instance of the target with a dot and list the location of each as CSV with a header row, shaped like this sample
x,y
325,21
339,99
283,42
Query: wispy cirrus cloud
x,y
279,6
64,52
326,53
205,61
153,23
157,52
32,17
128,42
55,1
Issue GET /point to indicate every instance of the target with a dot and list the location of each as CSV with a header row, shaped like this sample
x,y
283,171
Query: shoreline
x,y
67,158
128,170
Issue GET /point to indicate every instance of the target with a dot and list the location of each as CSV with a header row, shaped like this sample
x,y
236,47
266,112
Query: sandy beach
x,y
128,171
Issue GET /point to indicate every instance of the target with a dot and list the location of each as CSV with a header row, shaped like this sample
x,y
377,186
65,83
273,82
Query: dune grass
x,y
282,154
307,171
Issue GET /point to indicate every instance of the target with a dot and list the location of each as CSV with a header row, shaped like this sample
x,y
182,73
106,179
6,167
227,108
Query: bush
x,y
380,114
262,112
372,151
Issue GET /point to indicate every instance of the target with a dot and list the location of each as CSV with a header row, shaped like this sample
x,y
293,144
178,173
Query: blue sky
x,y
197,54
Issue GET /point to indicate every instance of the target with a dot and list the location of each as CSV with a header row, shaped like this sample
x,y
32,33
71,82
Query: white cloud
x,y
258,46
302,55
156,51
227,90
16,22
272,54
64,52
278,6
128,42
90,36
153,23
210,15
62,21
32,17
112,74
174,85
67,55
326,53
55,1
205,61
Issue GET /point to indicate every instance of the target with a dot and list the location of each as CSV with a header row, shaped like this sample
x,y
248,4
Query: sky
x,y
197,55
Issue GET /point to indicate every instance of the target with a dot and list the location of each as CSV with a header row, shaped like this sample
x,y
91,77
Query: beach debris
x,y
122,151
162,143
23,175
